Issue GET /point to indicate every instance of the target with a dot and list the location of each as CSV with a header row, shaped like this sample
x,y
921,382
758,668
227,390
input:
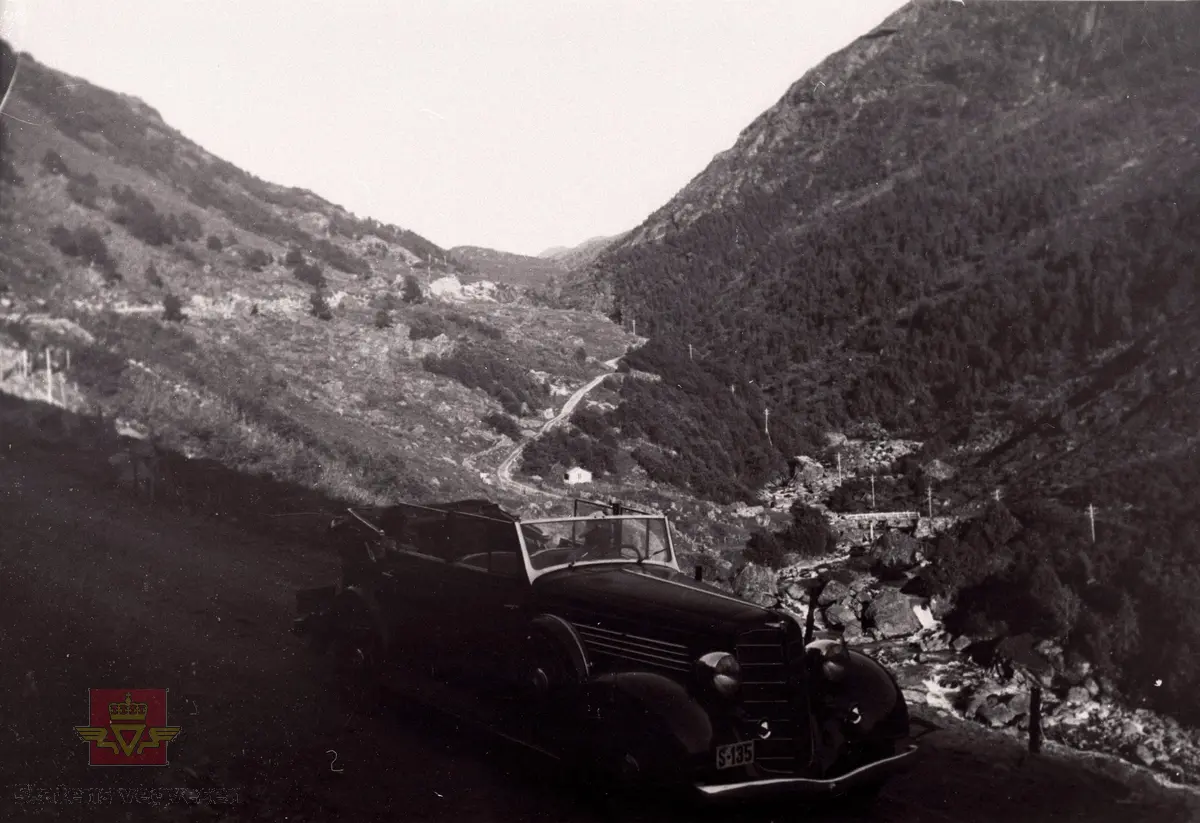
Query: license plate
x,y
735,754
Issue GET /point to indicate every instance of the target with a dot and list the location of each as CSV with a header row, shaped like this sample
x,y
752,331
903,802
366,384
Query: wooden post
x,y
1092,520
68,359
810,618
1035,719
929,496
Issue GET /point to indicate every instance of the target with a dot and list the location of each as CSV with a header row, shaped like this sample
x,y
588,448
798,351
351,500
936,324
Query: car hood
x,y
656,594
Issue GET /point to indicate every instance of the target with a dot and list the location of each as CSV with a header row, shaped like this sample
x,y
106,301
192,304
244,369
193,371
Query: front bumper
x,y
811,787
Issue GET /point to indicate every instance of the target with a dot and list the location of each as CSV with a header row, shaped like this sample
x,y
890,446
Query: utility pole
x,y
1092,519
49,379
690,355
872,491
839,468
767,424
929,498
633,320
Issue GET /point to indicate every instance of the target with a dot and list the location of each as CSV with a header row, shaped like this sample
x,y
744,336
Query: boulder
x,y
833,592
895,552
1078,695
1143,754
996,713
756,584
891,614
940,606
841,616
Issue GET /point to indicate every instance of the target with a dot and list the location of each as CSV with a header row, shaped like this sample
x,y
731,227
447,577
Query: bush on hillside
x,y
808,535
310,274
214,243
426,327
54,164
318,306
173,309
411,292
256,259
503,424
383,320
480,368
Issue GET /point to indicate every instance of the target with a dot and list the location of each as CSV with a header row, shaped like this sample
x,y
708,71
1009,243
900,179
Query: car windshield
x,y
562,543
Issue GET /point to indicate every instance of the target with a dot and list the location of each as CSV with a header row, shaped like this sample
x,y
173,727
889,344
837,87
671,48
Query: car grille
x,y
602,644
770,687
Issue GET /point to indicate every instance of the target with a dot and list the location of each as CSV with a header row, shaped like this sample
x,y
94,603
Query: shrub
x,y
257,259
188,226
214,243
426,327
319,306
53,163
504,424
152,276
173,309
310,274
294,258
581,355
412,290
82,193
808,535
383,320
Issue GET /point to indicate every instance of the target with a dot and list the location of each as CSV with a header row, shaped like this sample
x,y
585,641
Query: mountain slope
x,y
505,267
575,257
974,227
251,323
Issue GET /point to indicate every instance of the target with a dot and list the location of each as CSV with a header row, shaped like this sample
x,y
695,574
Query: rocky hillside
x,y
506,267
254,324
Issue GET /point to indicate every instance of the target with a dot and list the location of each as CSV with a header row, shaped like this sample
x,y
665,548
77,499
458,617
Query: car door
x,y
490,593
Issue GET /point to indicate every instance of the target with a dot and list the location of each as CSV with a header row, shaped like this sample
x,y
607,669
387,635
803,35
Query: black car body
x,y
581,636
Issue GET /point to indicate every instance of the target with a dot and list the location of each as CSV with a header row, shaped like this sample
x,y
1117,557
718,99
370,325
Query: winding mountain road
x,y
505,469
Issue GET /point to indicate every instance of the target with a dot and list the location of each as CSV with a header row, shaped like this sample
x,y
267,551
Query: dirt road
x,y
504,472
99,590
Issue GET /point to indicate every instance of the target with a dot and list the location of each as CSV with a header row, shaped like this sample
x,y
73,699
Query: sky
x,y
517,125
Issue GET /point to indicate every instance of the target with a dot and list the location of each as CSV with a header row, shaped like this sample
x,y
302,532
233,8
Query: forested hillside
x,y
974,227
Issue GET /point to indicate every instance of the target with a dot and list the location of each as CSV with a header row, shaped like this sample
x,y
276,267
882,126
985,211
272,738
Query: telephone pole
x,y
634,321
839,468
690,354
929,498
872,491
1092,520
767,424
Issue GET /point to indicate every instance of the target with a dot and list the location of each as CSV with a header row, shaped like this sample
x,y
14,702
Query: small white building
x,y
577,475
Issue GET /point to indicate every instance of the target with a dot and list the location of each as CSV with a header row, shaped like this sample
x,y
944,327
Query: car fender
x,y
565,637
658,704
872,688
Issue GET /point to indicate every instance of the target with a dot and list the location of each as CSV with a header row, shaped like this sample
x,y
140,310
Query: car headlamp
x,y
724,670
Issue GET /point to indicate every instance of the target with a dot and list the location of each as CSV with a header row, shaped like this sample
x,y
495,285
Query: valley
x,y
918,351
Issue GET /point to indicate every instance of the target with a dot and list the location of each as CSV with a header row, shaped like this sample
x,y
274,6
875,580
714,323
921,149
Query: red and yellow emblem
x,y
128,727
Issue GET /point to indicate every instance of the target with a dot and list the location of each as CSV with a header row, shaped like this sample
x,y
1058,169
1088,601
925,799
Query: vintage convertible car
x,y
581,636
